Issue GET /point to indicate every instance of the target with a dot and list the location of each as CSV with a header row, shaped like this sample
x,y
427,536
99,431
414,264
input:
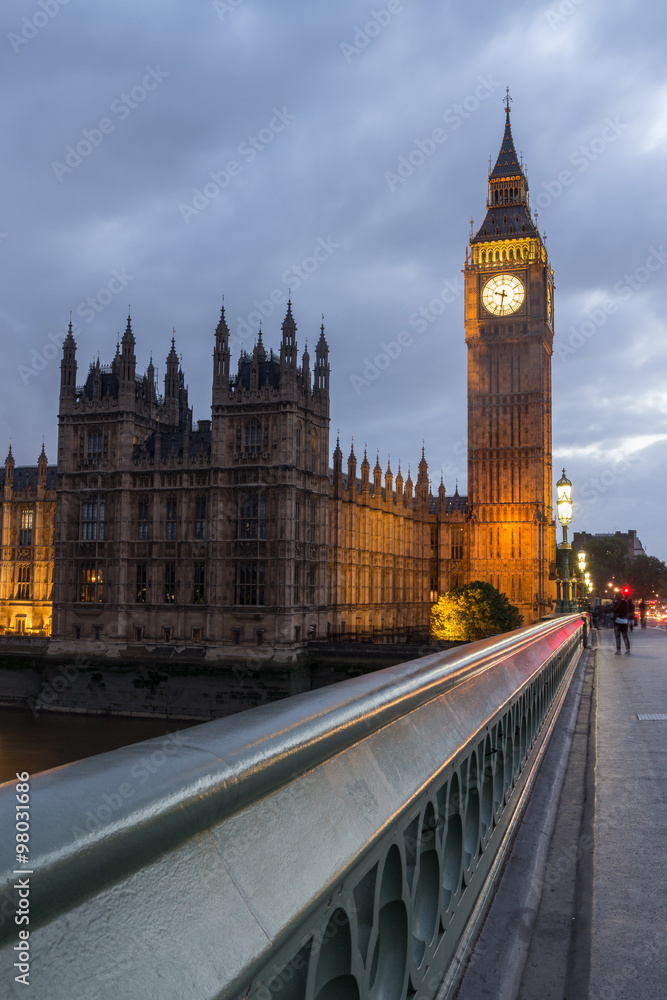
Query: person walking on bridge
x,y
621,613
642,613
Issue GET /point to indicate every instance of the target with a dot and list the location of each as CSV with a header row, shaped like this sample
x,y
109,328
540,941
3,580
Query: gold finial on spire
x,y
508,100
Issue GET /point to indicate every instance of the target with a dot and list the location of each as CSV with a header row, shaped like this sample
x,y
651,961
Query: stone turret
x,y
288,343
365,475
128,360
171,387
352,470
421,492
338,469
408,491
42,465
221,358
305,371
149,382
442,499
9,474
321,386
68,370
377,478
388,483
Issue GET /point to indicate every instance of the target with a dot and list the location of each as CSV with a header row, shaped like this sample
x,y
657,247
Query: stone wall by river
x,y
174,688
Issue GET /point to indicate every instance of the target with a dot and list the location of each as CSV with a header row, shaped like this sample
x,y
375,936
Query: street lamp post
x,y
564,509
581,558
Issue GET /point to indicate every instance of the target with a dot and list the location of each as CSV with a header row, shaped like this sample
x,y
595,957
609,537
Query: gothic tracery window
x,y
23,584
95,443
142,528
92,519
25,529
252,516
250,583
200,517
91,583
170,524
253,437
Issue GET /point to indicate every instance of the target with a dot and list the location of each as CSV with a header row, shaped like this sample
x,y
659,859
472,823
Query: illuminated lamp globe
x,y
564,499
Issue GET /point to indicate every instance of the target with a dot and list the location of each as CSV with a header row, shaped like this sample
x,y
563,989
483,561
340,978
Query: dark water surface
x,y
36,743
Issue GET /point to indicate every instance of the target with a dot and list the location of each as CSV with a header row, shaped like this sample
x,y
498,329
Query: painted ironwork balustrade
x,y
332,846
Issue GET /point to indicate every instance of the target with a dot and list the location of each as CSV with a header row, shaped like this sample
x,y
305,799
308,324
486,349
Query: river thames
x,y
35,743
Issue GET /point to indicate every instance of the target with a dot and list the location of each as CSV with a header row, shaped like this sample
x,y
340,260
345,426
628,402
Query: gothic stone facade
x,y
26,559
509,333
236,533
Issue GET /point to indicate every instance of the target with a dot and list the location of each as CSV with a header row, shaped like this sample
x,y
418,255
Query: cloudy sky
x,y
164,154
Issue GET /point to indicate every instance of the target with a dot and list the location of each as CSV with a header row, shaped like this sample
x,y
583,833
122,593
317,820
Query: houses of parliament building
x,y
237,531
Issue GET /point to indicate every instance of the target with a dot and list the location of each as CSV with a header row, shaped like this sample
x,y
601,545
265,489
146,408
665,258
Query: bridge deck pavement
x,y
581,911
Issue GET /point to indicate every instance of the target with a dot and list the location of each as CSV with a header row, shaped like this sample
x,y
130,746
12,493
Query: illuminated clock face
x,y
503,294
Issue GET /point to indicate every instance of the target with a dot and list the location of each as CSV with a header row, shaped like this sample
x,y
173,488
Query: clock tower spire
x,y
509,334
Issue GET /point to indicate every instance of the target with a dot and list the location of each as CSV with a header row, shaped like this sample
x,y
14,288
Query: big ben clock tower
x,y
509,334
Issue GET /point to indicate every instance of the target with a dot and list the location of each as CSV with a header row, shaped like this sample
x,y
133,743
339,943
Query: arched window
x,y
253,437
251,516
200,517
142,519
92,519
171,518
25,530
23,586
95,446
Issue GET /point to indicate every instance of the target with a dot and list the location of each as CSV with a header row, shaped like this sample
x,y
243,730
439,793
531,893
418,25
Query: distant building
x,y
26,554
580,540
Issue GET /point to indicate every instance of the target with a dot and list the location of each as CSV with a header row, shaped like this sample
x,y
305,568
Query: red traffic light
x,y
626,591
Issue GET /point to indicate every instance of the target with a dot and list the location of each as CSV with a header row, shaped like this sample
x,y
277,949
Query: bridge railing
x,y
337,844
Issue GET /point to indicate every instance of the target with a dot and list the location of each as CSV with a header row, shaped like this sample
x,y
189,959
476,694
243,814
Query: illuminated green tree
x,y
473,612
